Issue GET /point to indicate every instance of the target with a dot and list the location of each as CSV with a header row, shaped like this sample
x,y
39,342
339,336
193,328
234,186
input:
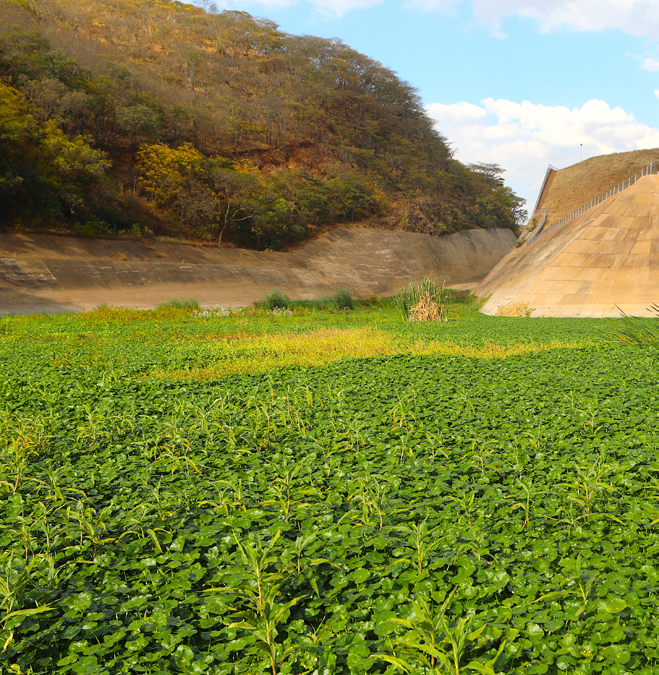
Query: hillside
x,y
570,188
150,116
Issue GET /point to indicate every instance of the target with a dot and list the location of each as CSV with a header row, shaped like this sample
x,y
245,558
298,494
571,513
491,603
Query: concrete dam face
x,y
40,273
601,262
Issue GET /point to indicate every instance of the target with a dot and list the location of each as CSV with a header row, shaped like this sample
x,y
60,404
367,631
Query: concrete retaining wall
x,y
604,261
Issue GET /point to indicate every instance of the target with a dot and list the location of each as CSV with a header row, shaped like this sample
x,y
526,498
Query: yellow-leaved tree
x,y
172,179
197,191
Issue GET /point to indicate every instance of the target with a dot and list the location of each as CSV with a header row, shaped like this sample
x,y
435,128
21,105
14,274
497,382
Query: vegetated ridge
x,y
154,116
569,189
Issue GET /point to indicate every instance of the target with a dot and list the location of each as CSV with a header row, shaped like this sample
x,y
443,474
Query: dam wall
x,y
600,263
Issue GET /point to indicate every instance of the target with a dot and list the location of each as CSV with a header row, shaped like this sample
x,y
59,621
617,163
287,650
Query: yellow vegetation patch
x,y
262,353
488,350
515,309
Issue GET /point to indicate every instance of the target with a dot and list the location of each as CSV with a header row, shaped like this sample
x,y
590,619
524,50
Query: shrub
x,y
274,300
343,299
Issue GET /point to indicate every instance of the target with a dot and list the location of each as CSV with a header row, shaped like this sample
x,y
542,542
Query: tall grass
x,y
342,299
175,303
274,300
636,330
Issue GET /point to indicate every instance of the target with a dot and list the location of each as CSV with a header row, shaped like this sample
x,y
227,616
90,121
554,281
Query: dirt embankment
x,y
53,274
570,188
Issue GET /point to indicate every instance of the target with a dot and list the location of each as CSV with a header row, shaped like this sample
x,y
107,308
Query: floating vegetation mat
x,y
403,503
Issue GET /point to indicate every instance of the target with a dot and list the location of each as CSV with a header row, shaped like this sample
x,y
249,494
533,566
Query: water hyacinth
x,y
335,492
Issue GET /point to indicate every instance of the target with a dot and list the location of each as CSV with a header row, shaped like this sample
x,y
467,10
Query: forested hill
x,y
160,117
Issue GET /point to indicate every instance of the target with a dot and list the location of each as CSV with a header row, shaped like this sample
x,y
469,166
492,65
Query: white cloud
x,y
638,17
651,64
435,5
332,8
656,93
461,113
524,137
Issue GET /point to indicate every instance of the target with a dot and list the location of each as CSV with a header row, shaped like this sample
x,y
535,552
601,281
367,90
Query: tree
x,y
237,187
491,171
17,128
69,165
501,207
171,178
140,122
42,170
198,191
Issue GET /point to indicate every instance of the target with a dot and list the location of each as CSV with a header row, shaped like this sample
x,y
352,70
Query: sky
x,y
519,83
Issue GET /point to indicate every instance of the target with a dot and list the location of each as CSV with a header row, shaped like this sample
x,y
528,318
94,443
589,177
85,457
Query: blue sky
x,y
522,83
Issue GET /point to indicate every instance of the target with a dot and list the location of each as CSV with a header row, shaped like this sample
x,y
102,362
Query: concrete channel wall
x,y
41,273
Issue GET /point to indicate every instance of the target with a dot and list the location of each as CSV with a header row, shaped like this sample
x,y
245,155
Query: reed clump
x,y
427,309
423,300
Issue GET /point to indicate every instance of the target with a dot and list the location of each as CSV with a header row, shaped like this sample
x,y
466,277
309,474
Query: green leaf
x,y
360,575
22,613
282,610
611,605
178,544
394,660
482,668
